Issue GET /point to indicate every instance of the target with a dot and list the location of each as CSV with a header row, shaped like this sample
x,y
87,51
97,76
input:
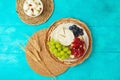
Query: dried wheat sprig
x,y
33,45
30,52
38,56
43,59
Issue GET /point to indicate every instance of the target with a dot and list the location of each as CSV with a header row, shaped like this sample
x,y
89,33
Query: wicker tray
x,y
67,20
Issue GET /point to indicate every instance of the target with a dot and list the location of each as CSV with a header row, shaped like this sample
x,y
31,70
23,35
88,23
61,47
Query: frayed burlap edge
x,y
47,12
64,20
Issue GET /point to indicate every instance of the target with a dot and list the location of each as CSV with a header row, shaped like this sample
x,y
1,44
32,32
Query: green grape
x,y
58,45
69,52
63,58
48,43
67,56
52,40
66,49
63,47
55,51
52,50
59,55
52,44
53,47
62,53
56,55
59,49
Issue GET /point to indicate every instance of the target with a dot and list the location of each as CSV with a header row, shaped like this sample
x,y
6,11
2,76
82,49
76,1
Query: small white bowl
x,y
33,8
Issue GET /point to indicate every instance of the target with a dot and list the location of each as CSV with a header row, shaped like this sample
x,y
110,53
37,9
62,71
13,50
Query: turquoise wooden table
x,y
103,19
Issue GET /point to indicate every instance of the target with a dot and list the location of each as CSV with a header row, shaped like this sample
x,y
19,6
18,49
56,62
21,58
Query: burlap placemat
x,y
39,58
67,20
47,11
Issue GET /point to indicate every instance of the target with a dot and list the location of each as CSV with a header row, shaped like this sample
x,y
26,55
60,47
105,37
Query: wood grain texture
x,y
103,20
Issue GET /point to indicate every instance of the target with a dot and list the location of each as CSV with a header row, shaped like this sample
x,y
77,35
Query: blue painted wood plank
x,y
101,16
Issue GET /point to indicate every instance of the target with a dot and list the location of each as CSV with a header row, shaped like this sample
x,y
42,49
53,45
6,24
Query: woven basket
x,y
47,66
47,12
54,25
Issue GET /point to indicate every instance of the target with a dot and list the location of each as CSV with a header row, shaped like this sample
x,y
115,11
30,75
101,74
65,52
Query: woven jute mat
x,y
47,12
70,20
39,58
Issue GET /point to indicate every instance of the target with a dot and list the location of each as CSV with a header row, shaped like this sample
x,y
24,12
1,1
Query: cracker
x,y
45,15
64,20
46,66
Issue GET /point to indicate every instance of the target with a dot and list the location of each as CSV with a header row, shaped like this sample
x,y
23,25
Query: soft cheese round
x,y
63,35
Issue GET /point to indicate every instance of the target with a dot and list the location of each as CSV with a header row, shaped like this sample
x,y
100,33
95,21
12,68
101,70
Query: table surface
x,y
101,16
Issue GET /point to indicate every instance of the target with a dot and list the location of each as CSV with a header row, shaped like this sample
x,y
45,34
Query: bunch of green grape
x,y
58,50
